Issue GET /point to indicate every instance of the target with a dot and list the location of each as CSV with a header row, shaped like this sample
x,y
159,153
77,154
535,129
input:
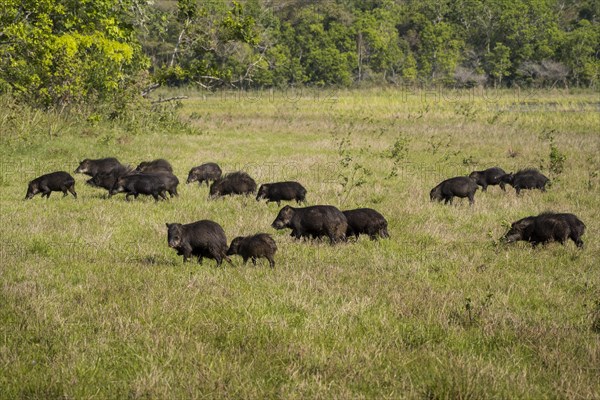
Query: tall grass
x,y
95,305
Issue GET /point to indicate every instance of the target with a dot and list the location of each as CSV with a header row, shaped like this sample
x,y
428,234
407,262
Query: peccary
x,y
107,180
282,191
253,247
154,166
170,181
200,239
529,178
59,181
137,184
367,221
93,167
460,186
232,183
204,173
488,177
547,227
313,221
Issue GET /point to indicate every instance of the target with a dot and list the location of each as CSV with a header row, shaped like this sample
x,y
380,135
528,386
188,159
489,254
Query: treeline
x,y
63,52
262,43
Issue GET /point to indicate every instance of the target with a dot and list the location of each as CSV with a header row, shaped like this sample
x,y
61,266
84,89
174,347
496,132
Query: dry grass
x,y
95,305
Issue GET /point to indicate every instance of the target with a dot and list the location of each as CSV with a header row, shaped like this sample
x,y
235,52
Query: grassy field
x,y
93,303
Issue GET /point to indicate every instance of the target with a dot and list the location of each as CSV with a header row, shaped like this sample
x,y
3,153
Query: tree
x,y
498,61
440,51
54,54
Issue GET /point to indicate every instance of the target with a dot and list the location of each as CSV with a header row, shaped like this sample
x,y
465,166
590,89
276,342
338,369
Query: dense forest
x,y
69,51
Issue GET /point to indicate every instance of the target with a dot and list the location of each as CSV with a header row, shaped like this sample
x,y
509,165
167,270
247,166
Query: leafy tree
x,y
498,61
581,52
54,54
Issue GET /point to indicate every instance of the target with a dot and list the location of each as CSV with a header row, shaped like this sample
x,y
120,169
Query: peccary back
x,y
529,178
253,247
547,227
233,183
315,221
155,166
366,221
93,167
204,173
460,186
279,191
488,177
203,238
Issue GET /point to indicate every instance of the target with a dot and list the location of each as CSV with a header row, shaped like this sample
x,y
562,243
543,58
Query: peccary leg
x,y
245,260
471,199
484,187
72,190
64,190
271,261
502,186
254,261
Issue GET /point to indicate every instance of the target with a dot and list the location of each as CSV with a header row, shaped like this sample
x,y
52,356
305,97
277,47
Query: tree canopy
x,y
54,53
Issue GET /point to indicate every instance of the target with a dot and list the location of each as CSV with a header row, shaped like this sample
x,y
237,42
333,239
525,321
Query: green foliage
x,y
499,63
556,161
55,54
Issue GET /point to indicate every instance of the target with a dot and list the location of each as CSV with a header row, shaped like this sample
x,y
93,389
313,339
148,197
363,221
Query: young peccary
x,y
155,166
547,227
233,183
59,181
367,221
460,186
93,167
204,173
282,191
529,178
313,221
488,177
200,239
137,184
253,247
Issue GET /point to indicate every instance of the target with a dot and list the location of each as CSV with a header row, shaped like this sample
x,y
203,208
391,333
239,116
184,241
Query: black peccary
x,y
547,227
159,165
233,183
93,167
253,247
529,178
367,221
204,173
489,177
278,191
203,238
460,186
136,184
59,181
170,181
107,180
313,221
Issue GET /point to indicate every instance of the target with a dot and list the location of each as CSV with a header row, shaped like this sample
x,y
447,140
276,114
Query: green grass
x,y
95,305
